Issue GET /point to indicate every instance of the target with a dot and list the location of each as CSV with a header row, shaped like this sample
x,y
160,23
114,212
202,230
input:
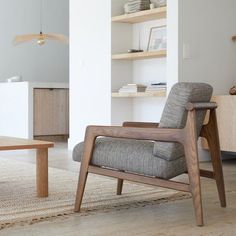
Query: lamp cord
x,y
41,16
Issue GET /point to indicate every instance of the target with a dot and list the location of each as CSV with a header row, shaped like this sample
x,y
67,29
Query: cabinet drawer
x,y
51,112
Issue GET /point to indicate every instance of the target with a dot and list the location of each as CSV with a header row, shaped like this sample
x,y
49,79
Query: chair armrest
x,y
140,124
152,134
201,106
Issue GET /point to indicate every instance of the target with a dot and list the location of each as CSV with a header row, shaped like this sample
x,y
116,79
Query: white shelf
x,y
140,55
141,16
139,95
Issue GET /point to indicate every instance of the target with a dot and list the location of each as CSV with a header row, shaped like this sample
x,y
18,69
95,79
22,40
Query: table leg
x,y
42,172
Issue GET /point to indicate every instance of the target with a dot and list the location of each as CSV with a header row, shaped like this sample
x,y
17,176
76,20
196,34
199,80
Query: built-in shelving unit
x,y
139,55
139,95
132,31
142,16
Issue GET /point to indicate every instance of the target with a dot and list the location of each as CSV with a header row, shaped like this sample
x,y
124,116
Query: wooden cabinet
x,y
51,111
226,117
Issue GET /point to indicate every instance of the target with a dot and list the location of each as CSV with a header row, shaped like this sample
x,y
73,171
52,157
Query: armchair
x,y
152,153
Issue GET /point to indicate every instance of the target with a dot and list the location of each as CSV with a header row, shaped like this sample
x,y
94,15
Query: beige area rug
x,y
19,204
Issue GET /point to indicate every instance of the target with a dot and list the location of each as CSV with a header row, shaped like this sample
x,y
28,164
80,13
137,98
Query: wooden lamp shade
x,y
41,38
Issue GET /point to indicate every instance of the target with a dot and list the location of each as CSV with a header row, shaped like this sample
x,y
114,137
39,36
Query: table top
x,y
10,143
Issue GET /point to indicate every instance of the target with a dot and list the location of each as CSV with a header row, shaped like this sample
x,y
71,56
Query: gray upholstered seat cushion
x,y
132,156
175,115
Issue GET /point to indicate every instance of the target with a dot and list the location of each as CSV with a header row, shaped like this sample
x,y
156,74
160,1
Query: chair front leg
x,y
88,151
191,154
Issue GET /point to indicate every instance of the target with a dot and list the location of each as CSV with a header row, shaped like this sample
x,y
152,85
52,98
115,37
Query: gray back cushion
x,y
175,115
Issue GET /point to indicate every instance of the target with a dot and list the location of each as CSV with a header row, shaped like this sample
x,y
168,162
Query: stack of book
x,y
136,5
159,3
156,87
133,88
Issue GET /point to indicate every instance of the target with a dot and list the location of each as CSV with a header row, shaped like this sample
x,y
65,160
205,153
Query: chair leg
x,y
212,137
191,154
80,190
119,186
195,187
88,151
217,167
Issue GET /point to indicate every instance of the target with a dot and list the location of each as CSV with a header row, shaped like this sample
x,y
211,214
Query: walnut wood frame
x,y
150,131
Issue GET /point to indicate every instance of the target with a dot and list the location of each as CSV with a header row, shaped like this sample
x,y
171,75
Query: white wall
x,y
207,27
90,66
173,39
34,63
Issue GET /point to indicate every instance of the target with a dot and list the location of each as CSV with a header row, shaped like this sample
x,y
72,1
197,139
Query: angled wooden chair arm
x,y
153,134
201,106
140,124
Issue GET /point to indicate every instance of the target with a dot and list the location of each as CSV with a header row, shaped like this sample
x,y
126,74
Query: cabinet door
x,y
51,112
226,115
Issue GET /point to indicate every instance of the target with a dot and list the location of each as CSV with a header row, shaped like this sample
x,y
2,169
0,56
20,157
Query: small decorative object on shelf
x,y
152,6
137,50
232,91
134,50
155,87
17,78
157,39
132,88
159,3
133,6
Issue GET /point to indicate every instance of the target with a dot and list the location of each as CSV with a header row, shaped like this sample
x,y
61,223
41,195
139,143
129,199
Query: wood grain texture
x,y
53,138
140,55
88,152
9,143
140,178
201,106
141,16
191,155
161,93
210,132
140,124
42,172
119,188
226,117
51,112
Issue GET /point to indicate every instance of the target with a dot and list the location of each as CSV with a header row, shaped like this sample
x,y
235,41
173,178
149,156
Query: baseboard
x,y
52,138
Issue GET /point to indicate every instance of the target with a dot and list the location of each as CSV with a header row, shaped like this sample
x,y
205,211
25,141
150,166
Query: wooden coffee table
x,y
9,144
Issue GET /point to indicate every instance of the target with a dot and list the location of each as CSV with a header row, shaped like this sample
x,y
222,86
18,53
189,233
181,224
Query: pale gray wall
x,y
34,63
207,28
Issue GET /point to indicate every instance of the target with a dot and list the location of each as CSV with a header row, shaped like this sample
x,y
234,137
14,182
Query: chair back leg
x,y
210,132
119,186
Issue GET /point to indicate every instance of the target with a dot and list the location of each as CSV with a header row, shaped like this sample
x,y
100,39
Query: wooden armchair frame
x,y
150,131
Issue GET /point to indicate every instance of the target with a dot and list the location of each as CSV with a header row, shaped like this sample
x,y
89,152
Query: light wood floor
x,y
175,218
